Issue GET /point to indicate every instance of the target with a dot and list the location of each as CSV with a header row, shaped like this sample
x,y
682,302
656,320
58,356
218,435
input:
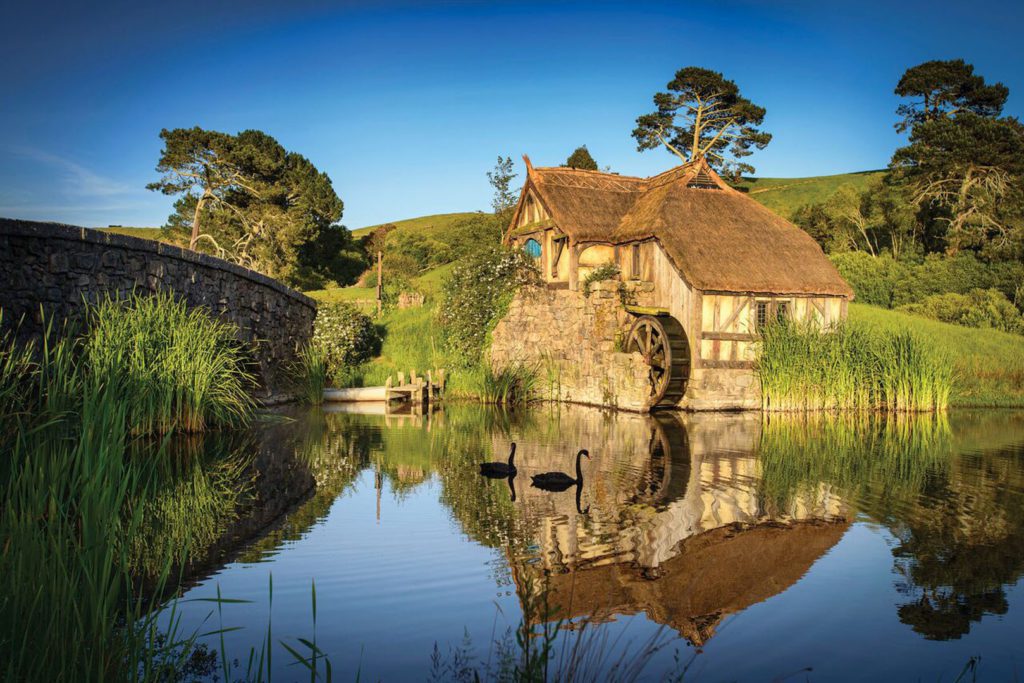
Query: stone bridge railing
x,y
49,269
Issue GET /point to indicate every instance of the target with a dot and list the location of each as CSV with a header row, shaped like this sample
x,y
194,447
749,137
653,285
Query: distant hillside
x,y
782,195
785,195
425,225
144,233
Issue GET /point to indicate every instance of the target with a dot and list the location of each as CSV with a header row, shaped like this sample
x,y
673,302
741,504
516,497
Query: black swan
x,y
560,481
500,470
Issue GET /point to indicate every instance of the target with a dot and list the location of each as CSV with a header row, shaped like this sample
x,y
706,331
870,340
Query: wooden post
x,y
380,282
574,266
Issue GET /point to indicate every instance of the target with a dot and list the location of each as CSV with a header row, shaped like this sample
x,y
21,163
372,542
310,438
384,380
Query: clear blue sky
x,y
406,105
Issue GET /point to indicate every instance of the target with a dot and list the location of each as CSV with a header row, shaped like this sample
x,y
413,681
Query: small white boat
x,y
356,394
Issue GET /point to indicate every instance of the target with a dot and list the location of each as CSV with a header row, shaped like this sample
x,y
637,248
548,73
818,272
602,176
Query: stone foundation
x,y
722,389
574,341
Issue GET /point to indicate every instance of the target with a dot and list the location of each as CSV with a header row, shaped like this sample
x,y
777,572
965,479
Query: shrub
x,y
939,274
476,295
415,248
344,337
873,278
983,308
466,236
179,368
605,271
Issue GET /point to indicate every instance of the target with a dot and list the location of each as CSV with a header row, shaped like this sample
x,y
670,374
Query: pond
x,y
725,546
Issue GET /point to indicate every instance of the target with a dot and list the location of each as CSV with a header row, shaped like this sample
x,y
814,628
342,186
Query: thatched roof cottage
x,y
701,266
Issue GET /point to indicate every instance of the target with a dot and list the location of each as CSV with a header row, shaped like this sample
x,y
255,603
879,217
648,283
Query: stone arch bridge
x,y
51,269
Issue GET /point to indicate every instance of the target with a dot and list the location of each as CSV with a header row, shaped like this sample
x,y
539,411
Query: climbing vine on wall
x,y
476,296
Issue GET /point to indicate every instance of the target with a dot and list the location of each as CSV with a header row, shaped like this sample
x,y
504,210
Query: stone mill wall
x,y
572,340
57,267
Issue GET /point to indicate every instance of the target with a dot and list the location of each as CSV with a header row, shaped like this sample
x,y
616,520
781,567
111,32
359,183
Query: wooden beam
x,y
574,266
647,310
729,336
559,244
735,314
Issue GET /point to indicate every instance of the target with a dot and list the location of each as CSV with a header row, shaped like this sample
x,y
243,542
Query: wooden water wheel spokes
x,y
661,342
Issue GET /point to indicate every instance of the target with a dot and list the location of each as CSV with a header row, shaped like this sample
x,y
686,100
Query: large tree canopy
x,y
245,198
967,173
580,158
963,166
943,88
703,115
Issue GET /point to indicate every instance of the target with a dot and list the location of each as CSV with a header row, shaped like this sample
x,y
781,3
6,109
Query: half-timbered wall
x,y
729,322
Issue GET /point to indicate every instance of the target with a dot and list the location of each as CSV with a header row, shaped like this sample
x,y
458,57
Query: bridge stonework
x,y
51,269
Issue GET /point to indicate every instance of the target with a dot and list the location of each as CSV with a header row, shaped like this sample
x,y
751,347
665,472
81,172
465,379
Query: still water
x,y
727,546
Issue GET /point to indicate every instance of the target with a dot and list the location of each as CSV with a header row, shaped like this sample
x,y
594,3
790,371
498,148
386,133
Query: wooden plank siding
x,y
671,291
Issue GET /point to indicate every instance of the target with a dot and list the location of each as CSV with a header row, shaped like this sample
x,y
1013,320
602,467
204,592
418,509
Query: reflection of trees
x,y
962,544
333,449
959,517
667,496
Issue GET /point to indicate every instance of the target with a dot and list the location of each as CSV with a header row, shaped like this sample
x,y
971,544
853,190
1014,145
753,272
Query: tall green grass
x,y
311,374
65,516
508,385
181,369
86,512
850,367
989,365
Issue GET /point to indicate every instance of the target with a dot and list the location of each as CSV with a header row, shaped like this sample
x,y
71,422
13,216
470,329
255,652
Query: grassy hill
x,y
144,233
424,225
785,195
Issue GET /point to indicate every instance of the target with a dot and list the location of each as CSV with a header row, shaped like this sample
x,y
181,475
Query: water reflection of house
x,y
715,573
676,525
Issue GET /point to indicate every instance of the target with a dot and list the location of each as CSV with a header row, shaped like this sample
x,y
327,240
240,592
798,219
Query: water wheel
x,y
662,343
668,468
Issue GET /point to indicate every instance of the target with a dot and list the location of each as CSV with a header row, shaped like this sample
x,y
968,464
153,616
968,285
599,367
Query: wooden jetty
x,y
418,390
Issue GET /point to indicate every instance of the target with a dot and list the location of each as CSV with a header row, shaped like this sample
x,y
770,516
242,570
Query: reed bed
x,y
65,596
83,518
879,460
509,385
181,369
850,367
311,374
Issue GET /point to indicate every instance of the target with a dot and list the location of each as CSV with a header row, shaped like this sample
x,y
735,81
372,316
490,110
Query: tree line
x,y
957,186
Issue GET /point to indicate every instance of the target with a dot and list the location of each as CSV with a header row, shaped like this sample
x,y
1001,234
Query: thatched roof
x,y
719,239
